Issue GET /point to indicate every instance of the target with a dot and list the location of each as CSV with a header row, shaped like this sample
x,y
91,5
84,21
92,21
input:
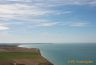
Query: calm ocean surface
x,y
67,54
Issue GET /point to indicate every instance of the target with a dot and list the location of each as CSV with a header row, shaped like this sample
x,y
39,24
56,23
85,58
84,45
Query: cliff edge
x,y
21,56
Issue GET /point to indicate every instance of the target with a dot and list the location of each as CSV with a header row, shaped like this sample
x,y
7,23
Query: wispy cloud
x,y
25,13
31,8
49,3
47,24
75,24
78,24
30,11
3,27
76,2
20,10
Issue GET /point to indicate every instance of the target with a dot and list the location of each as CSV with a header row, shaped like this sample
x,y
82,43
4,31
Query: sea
x,y
67,53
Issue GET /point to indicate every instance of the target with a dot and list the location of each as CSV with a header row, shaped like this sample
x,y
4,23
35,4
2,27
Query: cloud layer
x,y
32,11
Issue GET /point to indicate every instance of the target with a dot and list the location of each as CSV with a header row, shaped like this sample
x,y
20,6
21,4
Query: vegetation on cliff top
x,y
18,55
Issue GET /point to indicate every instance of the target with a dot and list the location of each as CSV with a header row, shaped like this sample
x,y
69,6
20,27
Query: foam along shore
x,y
13,55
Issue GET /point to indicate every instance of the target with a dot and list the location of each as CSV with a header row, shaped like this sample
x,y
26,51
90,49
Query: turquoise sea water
x,y
67,54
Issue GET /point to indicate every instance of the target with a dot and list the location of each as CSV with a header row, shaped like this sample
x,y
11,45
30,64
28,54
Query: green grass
x,y
18,55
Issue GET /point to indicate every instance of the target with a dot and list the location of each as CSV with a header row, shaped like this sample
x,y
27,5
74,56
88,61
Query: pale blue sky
x,y
48,21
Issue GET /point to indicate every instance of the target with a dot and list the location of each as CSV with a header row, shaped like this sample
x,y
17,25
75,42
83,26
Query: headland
x,y
14,55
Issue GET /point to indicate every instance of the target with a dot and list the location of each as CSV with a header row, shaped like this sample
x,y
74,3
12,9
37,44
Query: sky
x,y
47,21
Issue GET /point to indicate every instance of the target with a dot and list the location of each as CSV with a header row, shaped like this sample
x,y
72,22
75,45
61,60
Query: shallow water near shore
x,y
67,54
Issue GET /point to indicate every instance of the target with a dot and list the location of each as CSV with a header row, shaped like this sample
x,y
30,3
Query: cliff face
x,y
22,56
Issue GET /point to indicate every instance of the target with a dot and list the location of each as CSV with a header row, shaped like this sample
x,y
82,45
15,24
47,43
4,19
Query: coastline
x,y
14,48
